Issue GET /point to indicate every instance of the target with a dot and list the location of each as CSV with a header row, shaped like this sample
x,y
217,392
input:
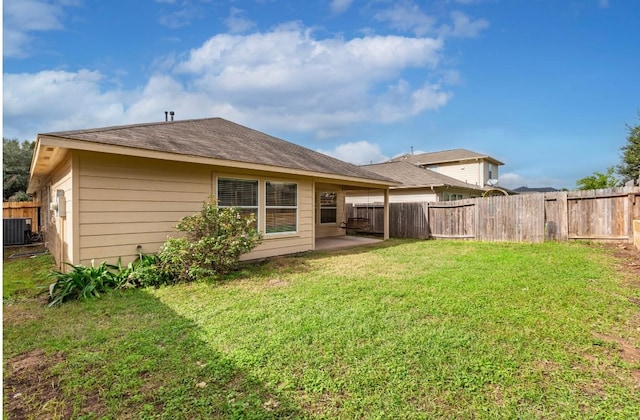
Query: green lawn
x,y
405,329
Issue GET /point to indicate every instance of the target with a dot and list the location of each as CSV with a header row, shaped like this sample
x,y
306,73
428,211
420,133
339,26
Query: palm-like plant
x,y
82,282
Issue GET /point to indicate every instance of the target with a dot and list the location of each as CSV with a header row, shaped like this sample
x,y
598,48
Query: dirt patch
x,y
628,260
26,251
627,351
628,264
14,314
277,283
32,389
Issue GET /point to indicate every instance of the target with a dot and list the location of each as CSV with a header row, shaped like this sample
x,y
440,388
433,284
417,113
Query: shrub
x,y
213,242
83,282
145,271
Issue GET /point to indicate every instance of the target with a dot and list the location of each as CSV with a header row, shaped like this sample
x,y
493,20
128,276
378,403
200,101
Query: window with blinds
x,y
281,205
239,193
328,207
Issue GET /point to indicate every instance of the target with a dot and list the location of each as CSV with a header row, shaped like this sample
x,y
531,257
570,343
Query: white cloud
x,y
513,180
57,100
23,17
463,26
284,80
407,17
358,153
289,77
339,6
237,23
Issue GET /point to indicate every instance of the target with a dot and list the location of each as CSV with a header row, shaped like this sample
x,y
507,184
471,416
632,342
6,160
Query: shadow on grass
x,y
125,355
129,355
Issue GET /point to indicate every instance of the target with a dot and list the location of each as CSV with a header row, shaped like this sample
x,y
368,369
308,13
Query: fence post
x,y
631,202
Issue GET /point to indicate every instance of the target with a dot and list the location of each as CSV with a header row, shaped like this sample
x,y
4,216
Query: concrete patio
x,y
337,242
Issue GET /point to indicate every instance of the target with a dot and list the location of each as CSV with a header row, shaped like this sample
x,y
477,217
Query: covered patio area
x,y
346,241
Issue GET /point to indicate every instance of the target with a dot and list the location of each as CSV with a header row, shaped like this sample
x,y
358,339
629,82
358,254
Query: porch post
x,y
386,213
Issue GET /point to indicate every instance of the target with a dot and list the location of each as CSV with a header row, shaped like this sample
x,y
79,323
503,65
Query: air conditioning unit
x,y
15,231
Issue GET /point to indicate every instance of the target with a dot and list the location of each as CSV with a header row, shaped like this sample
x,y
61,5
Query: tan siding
x,y
59,233
127,201
94,229
395,196
111,254
187,184
134,206
466,172
281,246
143,195
94,241
151,215
364,198
412,196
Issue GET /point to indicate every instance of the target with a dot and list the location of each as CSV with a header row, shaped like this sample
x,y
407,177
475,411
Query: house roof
x,y
411,176
445,156
525,190
211,138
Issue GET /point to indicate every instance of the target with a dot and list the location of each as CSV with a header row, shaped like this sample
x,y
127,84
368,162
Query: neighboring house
x,y
464,165
527,190
108,191
416,185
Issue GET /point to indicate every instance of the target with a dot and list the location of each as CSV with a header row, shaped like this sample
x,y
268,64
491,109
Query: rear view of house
x,y
106,191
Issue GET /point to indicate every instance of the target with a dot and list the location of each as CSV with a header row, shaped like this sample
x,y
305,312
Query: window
x,y
240,193
490,171
433,167
451,197
328,207
281,207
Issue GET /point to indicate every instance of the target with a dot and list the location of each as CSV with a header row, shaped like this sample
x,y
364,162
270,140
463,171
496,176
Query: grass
x,y
25,277
407,329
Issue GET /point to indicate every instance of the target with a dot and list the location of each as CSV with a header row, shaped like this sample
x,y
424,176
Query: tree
x,y
629,169
598,180
16,163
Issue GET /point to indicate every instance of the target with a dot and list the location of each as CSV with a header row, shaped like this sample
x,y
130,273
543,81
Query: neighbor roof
x,y
525,190
412,176
218,138
445,156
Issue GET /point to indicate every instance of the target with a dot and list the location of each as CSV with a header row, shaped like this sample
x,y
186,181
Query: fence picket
x,y
606,214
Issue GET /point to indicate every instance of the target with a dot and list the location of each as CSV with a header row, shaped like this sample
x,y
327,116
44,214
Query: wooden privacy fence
x,y
561,216
23,210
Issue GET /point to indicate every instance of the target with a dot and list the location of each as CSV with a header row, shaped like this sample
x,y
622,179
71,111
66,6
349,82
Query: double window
x,y
280,204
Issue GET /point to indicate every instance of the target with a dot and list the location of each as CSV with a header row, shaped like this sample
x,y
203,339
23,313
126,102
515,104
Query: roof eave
x,y
63,143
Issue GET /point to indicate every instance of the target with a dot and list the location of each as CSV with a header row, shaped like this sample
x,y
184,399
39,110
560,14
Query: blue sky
x,y
545,86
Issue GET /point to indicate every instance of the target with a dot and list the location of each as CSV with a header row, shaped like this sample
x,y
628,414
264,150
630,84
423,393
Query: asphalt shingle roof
x,y
413,176
454,155
524,190
219,139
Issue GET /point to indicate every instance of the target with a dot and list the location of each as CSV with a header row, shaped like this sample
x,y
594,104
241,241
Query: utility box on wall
x,y
15,231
